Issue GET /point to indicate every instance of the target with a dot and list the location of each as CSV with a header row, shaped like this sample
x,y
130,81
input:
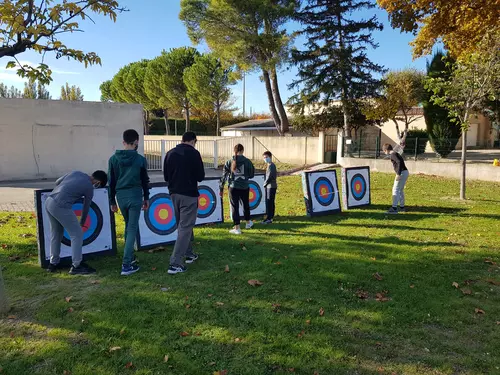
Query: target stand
x,y
257,197
99,236
158,226
321,193
356,187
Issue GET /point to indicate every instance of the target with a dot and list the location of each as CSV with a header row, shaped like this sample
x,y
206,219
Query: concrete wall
x,y
48,138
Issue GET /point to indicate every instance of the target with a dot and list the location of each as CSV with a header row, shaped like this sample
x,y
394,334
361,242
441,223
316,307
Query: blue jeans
x,y
130,207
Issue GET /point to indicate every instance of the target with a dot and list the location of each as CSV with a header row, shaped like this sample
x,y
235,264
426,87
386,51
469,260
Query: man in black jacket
x,y
183,169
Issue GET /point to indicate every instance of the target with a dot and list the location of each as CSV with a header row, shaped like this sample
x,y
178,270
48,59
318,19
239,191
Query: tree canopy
x,y
73,93
35,90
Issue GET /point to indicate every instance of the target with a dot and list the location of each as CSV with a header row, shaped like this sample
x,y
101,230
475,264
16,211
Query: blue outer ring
x,y
317,194
95,228
202,214
258,192
149,215
354,179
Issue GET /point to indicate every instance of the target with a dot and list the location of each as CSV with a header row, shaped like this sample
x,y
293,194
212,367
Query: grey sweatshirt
x,y
271,176
70,188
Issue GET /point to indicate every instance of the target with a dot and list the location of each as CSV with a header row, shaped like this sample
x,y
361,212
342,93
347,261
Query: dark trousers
x,y
235,196
270,203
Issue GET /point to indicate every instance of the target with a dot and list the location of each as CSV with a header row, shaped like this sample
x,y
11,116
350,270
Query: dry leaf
x,y
11,335
466,291
291,369
227,268
188,307
67,299
244,248
210,295
122,331
362,294
221,372
95,282
302,333
65,372
277,263
381,297
493,282
489,261
479,311
316,373
498,323
153,268
12,317
165,359
115,348
321,312
237,339
219,303
455,284
412,286
378,277
212,363
308,322
129,365
184,334
71,309
197,334
255,282
373,258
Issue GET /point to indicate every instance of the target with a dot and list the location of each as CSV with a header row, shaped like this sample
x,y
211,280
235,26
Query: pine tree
x,y
335,66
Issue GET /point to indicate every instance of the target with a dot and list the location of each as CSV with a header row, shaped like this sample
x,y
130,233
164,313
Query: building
x,y
261,128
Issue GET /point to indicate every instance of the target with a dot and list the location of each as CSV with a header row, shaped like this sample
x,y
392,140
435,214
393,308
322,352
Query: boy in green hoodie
x,y
238,171
129,184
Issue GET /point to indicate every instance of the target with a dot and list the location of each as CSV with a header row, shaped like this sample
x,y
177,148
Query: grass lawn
x,y
353,293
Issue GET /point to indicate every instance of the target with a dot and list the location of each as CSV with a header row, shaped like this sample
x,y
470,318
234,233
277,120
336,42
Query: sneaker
x,y
249,224
129,270
192,258
235,231
82,269
402,209
173,270
393,211
53,267
267,221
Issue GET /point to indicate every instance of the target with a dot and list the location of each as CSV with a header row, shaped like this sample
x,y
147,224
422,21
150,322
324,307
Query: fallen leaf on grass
x,y
197,334
115,348
455,284
153,268
212,363
302,333
11,335
381,297
221,372
188,307
362,294
71,309
237,339
210,295
378,277
129,365
276,307
4,246
308,322
466,291
498,323
291,369
95,282
493,282
27,235
165,359
412,286
489,261
67,299
479,311
469,281
12,317
227,268
219,303
66,372
122,331
321,312
255,282
157,250
14,258
184,334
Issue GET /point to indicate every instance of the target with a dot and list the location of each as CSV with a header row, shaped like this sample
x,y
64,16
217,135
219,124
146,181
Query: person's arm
x,y
87,200
251,170
398,166
225,175
165,168
200,169
60,179
145,183
112,183
274,172
267,180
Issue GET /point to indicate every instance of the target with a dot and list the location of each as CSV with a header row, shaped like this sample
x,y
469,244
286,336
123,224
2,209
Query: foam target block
x,y
321,193
356,187
99,236
257,198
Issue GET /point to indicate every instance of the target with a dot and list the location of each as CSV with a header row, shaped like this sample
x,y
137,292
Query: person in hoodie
x,y
238,171
129,187
402,174
270,185
182,170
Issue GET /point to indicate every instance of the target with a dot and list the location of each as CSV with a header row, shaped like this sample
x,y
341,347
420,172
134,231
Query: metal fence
x,y
155,151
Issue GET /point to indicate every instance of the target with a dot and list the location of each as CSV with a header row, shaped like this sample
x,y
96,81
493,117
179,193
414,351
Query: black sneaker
x,y
129,270
402,209
393,211
192,258
267,221
53,267
173,270
82,269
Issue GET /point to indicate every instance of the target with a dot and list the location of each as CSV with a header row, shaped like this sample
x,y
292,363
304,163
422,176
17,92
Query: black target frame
x,y
309,195
346,187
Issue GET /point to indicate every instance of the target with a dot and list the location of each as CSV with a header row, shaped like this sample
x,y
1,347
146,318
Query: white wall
x,y
48,138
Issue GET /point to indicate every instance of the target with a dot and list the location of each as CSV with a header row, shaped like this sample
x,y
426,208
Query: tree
x,y
106,91
208,83
38,26
402,91
34,90
334,67
442,132
10,93
248,34
459,24
73,93
474,79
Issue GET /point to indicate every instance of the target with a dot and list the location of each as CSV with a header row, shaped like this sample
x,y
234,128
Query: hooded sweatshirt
x,y
128,174
239,178
183,169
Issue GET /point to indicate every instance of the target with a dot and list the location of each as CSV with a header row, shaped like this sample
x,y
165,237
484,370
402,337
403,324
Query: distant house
x,y
261,128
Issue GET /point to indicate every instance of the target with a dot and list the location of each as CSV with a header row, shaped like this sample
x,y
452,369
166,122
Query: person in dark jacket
x,y
182,170
238,171
402,174
270,186
70,189
129,185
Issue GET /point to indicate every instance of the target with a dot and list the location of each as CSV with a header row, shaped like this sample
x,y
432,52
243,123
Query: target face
x,y
160,216
255,195
92,227
356,186
207,201
321,192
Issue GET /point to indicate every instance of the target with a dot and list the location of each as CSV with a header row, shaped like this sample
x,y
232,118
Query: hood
x,y
240,159
181,149
126,157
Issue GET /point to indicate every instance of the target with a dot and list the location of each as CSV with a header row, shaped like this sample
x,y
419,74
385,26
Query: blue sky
x,y
153,25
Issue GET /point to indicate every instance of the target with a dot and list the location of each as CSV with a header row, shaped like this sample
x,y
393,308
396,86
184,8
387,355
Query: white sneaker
x,y
235,231
249,224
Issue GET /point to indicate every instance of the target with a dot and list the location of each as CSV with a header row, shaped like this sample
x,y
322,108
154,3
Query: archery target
x,y
99,234
209,203
356,186
255,197
321,192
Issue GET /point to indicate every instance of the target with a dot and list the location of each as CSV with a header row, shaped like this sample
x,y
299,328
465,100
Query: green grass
x,y
306,265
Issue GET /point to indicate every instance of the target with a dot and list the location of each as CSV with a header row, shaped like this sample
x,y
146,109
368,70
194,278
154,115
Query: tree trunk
x,y
188,120
285,124
347,126
272,106
4,304
218,120
464,164
165,115
146,122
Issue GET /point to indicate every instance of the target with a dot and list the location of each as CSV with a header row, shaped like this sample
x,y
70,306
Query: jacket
x,y
183,169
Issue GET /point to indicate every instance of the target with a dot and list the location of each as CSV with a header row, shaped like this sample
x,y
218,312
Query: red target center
x,y
203,201
86,225
324,191
163,214
358,187
252,195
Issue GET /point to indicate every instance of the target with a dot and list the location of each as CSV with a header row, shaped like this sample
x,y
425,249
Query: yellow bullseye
x,y
163,214
252,195
203,202
324,191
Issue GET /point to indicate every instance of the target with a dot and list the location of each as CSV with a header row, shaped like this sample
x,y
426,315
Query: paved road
x,y
19,195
